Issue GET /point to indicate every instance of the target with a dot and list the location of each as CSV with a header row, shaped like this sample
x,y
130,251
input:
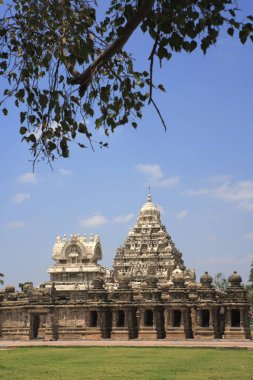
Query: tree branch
x,y
142,12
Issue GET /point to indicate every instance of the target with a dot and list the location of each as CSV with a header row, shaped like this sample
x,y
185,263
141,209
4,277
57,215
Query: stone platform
x,y
216,343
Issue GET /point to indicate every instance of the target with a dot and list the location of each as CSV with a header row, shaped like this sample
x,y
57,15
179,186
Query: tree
x,y
220,281
250,286
63,65
1,280
251,273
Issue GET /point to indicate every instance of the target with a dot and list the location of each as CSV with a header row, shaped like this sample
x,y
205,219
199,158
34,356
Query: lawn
x,y
121,363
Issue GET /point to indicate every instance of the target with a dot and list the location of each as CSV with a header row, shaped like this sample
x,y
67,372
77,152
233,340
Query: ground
x,y
142,363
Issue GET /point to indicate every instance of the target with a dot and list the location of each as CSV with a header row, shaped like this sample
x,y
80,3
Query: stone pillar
x,y
241,317
194,320
188,323
132,323
159,322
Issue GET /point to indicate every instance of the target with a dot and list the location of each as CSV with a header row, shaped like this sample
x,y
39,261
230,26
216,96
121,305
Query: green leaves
x,y
45,48
245,32
230,31
43,100
23,130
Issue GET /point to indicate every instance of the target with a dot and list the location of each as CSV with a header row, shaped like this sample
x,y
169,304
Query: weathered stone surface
x,y
150,295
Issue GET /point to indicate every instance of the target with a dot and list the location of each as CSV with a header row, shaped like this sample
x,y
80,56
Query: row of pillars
x,y
163,323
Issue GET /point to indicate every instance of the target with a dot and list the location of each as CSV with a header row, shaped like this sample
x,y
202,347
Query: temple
x,y
149,294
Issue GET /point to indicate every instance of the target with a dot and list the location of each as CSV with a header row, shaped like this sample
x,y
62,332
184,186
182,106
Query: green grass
x,y
97,363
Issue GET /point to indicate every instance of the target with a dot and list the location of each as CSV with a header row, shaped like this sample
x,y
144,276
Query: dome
x,y
235,279
179,280
149,207
177,271
206,279
192,286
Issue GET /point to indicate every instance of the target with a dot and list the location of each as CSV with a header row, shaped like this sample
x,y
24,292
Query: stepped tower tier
x,y
148,249
76,261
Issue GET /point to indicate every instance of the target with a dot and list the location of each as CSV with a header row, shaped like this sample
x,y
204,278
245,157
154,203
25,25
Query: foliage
x,y
251,273
220,281
120,363
1,280
63,66
250,286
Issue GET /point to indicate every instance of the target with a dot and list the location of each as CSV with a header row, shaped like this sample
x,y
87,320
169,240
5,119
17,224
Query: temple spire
x,y
149,199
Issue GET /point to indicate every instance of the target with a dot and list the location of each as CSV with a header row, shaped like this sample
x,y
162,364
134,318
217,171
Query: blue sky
x,y
200,172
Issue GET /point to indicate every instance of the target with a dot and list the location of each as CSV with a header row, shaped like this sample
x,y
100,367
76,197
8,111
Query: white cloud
x,y
153,171
240,192
182,214
123,218
94,221
16,224
28,178
155,176
65,172
20,198
167,182
249,236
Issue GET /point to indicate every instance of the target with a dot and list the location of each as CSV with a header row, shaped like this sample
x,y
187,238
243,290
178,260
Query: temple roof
x,y
148,248
149,206
77,246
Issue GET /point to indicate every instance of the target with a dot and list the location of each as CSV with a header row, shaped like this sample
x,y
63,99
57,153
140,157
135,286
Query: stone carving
x,y
149,295
76,261
158,252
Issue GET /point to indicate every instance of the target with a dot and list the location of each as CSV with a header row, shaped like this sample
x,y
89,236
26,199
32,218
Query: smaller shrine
x,y
76,262
150,293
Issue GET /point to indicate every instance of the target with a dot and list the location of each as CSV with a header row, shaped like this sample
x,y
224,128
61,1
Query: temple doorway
x,y
38,326
93,318
148,318
205,318
120,318
176,318
235,318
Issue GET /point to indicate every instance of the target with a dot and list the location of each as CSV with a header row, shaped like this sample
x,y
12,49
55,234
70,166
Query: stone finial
x,y
91,237
149,198
9,289
206,280
179,280
84,237
235,279
192,286
177,271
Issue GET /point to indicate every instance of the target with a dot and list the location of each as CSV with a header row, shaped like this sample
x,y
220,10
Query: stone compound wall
x,y
148,313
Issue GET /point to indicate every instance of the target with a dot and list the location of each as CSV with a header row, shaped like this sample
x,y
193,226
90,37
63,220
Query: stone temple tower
x,y
149,250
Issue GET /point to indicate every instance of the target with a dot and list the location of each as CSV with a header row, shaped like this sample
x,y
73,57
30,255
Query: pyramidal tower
x,y
149,250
